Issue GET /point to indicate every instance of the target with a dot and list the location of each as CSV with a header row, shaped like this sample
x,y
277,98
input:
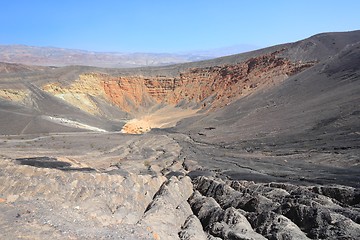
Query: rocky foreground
x,y
51,198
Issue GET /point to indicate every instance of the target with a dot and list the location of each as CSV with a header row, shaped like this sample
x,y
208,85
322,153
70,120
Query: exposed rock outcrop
x,y
169,210
54,199
80,93
211,85
15,95
220,85
192,229
275,211
60,199
128,93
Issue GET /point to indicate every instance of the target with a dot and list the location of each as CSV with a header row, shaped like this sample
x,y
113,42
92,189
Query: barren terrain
x,y
260,145
52,56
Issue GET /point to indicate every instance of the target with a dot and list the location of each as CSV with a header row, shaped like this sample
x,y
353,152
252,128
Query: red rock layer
x,y
229,82
216,86
128,93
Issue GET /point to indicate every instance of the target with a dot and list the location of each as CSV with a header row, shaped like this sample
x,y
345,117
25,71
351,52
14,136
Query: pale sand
x,y
74,124
162,118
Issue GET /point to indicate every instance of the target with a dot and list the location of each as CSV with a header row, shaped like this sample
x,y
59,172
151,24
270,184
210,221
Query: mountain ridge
x,y
57,56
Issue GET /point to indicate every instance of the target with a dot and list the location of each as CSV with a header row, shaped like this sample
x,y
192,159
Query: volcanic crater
x,y
259,145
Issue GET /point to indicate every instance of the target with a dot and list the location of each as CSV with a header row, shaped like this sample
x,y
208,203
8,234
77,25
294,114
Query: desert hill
x,y
258,145
51,56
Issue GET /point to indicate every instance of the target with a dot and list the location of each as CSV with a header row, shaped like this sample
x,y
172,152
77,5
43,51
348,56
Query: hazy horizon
x,y
234,48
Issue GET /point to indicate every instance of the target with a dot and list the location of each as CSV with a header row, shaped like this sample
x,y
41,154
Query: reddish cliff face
x,y
210,87
216,86
129,93
229,82
159,87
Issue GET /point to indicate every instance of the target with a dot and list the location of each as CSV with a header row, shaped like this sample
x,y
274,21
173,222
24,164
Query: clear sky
x,y
170,25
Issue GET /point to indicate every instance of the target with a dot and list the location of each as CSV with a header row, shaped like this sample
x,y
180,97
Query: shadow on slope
x,y
41,107
309,125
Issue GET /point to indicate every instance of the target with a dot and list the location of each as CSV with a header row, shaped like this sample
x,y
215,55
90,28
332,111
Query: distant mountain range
x,y
51,56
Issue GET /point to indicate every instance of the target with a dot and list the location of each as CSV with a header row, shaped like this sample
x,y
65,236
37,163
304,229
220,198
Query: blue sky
x,y
170,25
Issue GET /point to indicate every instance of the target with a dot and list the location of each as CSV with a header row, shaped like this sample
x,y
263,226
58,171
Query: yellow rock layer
x,y
13,94
79,93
